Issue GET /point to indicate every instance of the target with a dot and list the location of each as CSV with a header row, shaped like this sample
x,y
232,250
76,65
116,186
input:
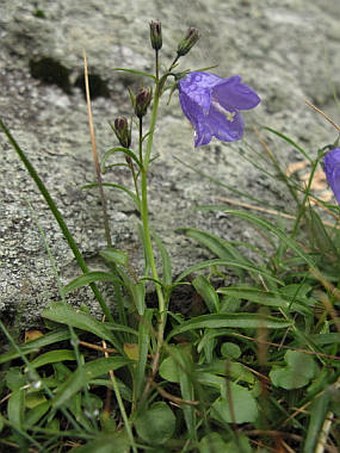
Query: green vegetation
x,y
250,366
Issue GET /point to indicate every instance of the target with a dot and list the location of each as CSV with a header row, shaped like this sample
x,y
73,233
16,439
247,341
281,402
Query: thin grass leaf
x,y
16,408
138,295
59,355
291,142
87,278
266,298
34,415
219,247
58,216
145,329
166,261
227,263
119,149
183,359
268,226
115,256
318,413
218,182
136,72
319,236
323,339
114,186
33,346
63,313
205,289
232,320
84,375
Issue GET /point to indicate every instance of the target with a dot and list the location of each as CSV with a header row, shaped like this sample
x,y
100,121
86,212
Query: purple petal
x,y
232,94
203,134
198,87
332,169
227,130
195,115
196,80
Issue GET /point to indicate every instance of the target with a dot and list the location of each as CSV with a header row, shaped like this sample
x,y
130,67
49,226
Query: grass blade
x,y
231,320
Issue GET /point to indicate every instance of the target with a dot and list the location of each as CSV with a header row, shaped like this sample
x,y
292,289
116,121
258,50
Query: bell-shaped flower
x,y
331,163
213,104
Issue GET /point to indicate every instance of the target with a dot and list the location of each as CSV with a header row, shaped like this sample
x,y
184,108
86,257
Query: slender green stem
x,y
152,127
134,175
149,253
302,206
58,216
140,139
157,64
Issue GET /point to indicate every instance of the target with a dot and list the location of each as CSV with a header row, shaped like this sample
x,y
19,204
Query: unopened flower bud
x,y
142,101
123,131
156,34
188,42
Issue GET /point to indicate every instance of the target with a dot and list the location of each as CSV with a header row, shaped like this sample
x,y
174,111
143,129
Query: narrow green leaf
x,y
84,375
16,408
138,294
145,328
127,152
59,355
319,236
318,413
166,261
232,320
206,290
183,358
227,263
267,298
221,248
267,226
325,338
115,256
34,345
87,278
63,313
34,415
114,186
136,72
290,142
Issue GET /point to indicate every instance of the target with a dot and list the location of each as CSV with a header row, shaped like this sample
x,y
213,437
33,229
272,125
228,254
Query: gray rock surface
x,y
288,50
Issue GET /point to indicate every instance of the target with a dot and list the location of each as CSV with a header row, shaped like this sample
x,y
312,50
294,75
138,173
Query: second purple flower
x,y
212,104
332,169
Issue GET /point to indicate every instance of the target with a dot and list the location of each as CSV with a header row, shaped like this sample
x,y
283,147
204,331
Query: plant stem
x,y
153,121
149,253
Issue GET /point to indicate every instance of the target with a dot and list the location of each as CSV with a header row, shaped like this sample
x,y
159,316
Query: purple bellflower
x,y
331,163
212,104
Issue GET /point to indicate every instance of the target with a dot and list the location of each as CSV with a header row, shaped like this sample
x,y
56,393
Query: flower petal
x,y
223,128
231,93
198,86
195,115
332,170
